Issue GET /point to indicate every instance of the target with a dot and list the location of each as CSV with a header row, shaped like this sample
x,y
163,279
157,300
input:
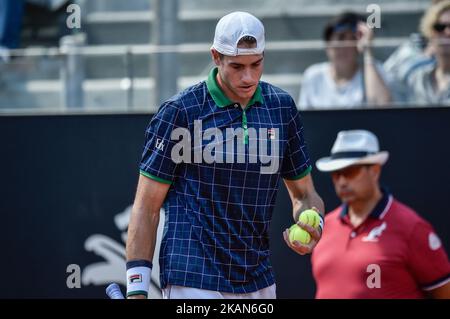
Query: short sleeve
x,y
427,260
157,162
296,163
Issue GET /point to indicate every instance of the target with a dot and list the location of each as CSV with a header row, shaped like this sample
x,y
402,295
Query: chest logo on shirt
x,y
375,233
271,133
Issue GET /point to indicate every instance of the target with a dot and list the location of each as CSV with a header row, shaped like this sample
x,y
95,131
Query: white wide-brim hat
x,y
353,148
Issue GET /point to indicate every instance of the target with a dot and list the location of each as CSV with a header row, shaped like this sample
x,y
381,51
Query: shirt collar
x,y
220,98
380,208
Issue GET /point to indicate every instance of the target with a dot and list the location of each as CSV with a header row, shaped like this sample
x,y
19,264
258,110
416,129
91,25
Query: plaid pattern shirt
x,y
218,214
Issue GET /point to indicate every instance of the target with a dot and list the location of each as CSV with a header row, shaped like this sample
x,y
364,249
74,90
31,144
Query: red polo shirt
x,y
393,254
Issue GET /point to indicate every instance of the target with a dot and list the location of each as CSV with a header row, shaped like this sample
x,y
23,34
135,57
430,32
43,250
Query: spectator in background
x,y
343,82
408,58
11,13
405,60
373,246
430,84
52,5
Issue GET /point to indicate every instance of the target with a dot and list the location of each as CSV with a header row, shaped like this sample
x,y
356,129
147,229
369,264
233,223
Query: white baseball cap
x,y
232,28
352,148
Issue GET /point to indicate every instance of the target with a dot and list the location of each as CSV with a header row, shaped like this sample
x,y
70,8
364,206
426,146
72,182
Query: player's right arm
x,y
144,220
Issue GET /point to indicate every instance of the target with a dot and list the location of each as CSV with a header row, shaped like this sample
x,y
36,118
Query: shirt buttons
x,y
353,234
236,105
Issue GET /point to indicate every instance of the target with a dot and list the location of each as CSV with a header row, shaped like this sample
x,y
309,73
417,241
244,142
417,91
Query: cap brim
x,y
229,51
327,164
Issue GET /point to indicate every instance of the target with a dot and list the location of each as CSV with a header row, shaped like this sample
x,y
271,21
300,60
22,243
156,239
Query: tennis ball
x,y
310,217
298,234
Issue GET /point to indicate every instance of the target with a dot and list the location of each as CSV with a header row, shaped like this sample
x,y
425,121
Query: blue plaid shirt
x,y
218,214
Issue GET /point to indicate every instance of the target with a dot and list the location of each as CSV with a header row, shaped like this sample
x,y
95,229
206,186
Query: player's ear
x,y
215,56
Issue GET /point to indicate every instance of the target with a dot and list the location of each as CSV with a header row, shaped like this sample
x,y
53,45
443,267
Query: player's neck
x,y
360,210
230,94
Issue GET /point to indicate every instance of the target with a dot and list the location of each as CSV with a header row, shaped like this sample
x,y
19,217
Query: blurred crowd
x,y
417,72
12,14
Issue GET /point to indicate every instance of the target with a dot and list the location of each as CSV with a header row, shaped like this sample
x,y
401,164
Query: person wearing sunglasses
x,y
374,246
409,57
430,85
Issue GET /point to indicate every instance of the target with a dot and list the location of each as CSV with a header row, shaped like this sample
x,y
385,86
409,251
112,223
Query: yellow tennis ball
x,y
299,234
310,217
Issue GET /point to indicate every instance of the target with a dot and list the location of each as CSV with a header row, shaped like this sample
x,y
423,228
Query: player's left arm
x,y
304,196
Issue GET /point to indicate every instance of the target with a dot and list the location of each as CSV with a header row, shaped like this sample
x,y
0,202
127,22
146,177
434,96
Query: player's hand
x,y
300,248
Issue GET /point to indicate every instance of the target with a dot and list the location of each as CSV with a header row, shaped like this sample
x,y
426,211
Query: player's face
x,y
441,33
357,183
342,49
239,76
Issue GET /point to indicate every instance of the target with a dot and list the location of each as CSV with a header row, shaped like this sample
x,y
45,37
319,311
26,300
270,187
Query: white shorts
x,y
179,292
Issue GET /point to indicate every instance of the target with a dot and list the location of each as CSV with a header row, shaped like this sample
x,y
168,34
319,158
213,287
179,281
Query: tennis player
x,y
213,157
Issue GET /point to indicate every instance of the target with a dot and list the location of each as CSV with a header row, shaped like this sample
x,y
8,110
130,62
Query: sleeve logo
x,y
434,242
159,145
